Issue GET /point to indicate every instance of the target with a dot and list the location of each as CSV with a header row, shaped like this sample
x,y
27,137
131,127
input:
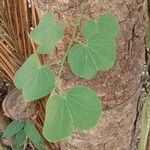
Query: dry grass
x,y
17,17
16,20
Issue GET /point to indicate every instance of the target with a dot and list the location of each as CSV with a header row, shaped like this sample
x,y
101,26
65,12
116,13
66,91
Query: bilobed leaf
x,y
77,108
19,140
34,79
33,134
145,124
13,128
87,59
58,122
47,33
99,51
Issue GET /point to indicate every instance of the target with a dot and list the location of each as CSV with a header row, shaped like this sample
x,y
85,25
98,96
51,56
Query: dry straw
x,y
16,20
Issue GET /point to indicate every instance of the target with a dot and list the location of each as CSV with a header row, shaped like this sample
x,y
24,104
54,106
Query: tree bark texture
x,y
119,87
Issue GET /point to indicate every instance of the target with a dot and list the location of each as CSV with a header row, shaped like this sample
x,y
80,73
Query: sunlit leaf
x,y
13,128
47,33
33,134
79,108
34,79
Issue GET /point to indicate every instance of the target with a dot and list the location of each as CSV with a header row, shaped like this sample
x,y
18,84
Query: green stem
x,y
38,56
67,51
78,41
57,62
72,41
63,61
64,58
35,51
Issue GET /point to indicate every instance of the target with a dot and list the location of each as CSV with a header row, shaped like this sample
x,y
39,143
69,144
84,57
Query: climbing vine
x,y
79,107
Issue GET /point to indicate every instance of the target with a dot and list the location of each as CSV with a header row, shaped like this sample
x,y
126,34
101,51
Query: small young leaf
x,y
35,80
19,139
99,52
13,128
33,134
145,124
47,33
107,25
79,107
98,55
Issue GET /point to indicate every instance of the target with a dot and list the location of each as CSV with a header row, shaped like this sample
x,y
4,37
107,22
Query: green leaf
x,y
19,139
47,33
148,36
79,107
35,80
84,106
145,124
27,69
58,122
33,134
107,25
13,128
99,51
87,59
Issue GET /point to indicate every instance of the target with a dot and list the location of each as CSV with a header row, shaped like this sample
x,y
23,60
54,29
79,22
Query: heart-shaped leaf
x,y
107,25
34,79
47,33
77,108
99,52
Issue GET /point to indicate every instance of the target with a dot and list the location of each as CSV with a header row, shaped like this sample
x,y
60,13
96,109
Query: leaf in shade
x,y
13,128
148,36
33,134
19,139
145,124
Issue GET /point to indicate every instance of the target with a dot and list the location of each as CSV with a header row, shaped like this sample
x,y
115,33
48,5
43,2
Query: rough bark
x,y
119,87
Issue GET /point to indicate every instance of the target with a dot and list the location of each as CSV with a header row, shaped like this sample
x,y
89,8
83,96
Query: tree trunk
x,y
120,87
